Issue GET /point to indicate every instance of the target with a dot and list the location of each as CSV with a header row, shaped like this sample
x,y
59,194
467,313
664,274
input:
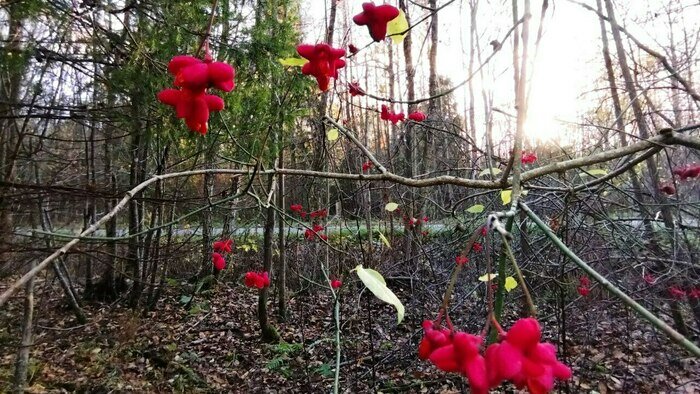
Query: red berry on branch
x,y
650,279
223,246
676,292
528,157
524,360
323,63
417,116
355,90
668,189
218,261
258,280
376,19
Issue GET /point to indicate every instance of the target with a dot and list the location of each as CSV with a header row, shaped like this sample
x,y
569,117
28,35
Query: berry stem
x,y
205,38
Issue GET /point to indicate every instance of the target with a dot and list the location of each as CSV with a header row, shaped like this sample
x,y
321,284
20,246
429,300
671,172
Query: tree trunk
x,y
282,266
267,331
320,145
9,95
134,253
22,364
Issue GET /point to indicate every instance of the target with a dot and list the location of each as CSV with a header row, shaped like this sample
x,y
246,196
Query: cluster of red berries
x,y
454,352
584,286
520,357
476,248
193,77
259,280
411,222
324,61
391,116
678,293
417,116
220,247
366,166
394,118
311,233
315,231
688,171
684,173
528,157
299,209
376,19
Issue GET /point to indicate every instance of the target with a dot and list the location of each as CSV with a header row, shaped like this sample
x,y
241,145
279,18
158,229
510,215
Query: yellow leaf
x,y
510,284
596,172
374,281
397,25
383,238
332,134
478,208
487,171
391,207
506,196
293,61
487,277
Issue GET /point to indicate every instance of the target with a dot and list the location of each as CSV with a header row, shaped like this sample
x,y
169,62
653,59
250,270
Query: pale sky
x,y
568,65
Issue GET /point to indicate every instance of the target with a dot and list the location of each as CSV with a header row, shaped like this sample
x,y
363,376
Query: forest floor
x,y
215,347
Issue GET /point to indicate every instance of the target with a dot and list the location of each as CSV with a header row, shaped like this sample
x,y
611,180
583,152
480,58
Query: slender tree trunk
x,y
409,138
472,101
9,95
282,248
620,125
134,253
267,331
320,145
22,364
207,187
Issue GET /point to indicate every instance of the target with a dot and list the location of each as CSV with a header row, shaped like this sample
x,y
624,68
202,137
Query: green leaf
x,y
374,281
383,238
391,207
596,172
397,25
332,134
510,284
478,208
506,196
487,277
487,171
293,61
